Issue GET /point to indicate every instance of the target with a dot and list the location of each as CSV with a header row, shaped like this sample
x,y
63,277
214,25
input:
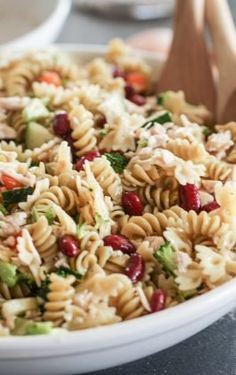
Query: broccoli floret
x,y
43,211
166,255
117,160
8,274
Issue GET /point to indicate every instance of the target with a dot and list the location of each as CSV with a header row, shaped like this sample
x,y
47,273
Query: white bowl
x,y
103,347
26,24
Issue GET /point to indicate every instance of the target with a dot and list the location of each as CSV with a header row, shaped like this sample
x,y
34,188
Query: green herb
x,y
160,99
23,277
187,294
162,119
143,142
206,132
103,132
81,230
46,211
166,255
16,195
3,210
43,290
117,160
34,164
8,274
65,271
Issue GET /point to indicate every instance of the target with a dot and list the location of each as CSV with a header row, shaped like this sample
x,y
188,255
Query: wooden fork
x,y
188,67
224,40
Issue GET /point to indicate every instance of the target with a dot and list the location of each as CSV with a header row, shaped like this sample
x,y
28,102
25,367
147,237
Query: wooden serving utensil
x,y
188,67
224,39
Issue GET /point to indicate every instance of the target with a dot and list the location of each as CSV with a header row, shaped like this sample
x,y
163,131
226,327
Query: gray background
x,y
213,351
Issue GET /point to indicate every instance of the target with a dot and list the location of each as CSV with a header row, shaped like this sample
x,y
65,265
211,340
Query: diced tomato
x,y
137,80
10,183
50,77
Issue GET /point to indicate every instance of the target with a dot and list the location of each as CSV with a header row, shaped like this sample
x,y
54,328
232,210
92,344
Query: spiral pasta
x,y
44,239
82,130
58,298
218,170
115,202
26,71
149,224
63,196
107,178
187,151
158,197
19,291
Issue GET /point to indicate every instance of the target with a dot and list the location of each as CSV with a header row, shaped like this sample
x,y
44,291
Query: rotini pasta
x,y
115,202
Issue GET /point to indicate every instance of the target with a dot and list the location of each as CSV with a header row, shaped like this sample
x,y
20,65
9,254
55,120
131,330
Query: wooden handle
x,y
190,12
222,28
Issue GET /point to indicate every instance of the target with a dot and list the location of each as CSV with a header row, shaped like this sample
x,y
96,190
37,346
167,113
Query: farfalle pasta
x,y
116,201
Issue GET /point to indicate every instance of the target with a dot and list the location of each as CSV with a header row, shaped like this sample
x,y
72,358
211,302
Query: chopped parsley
x,y
117,160
206,132
34,163
43,290
65,271
160,99
162,119
16,195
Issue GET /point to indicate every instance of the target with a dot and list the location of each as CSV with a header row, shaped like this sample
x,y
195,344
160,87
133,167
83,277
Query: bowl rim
x,y
99,338
120,333
53,20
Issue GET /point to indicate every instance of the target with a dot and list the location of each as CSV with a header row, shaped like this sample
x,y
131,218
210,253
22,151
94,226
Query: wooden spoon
x,y
188,67
224,39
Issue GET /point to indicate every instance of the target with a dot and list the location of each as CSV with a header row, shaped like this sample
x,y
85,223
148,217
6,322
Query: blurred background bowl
x,y
30,24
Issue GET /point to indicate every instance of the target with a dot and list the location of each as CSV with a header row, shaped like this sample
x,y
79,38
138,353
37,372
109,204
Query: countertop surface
x,y
212,351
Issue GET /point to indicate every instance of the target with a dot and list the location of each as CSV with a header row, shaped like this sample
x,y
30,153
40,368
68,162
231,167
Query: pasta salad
x,y
115,201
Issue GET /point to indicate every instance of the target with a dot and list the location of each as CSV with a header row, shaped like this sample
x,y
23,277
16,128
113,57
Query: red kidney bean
x,y
158,300
189,197
61,124
69,245
210,206
90,156
135,268
119,242
132,203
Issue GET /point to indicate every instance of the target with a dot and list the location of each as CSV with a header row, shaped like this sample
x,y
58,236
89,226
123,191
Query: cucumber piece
x,y
35,110
16,195
24,327
36,135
